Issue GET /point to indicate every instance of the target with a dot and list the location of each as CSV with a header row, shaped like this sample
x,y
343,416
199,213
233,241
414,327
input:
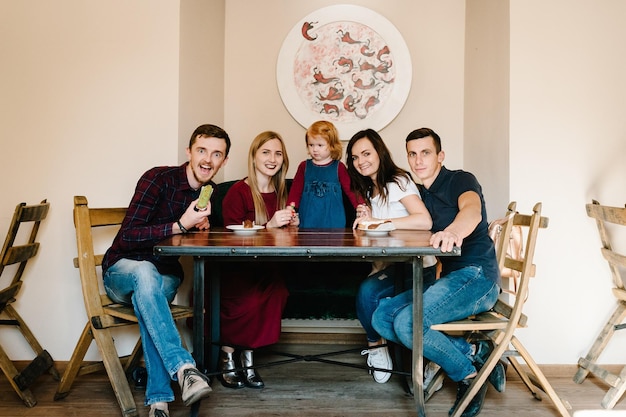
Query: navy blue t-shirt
x,y
441,200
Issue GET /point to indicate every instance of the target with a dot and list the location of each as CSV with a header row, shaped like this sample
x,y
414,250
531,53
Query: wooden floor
x,y
307,389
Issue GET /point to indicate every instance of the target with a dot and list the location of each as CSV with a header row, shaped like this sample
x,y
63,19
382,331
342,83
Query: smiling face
x,y
365,158
424,160
268,159
206,156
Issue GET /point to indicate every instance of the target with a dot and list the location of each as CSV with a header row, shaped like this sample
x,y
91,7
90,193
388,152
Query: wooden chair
x,y
103,314
605,217
499,324
19,255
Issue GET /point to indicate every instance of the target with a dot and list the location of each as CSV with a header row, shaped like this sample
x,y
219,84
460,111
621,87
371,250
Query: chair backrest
x,y
605,215
530,225
85,220
20,254
500,231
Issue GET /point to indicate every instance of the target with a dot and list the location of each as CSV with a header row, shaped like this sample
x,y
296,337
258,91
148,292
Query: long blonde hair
x,y
278,180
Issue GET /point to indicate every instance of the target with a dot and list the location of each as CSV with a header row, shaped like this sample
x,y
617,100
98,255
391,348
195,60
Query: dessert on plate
x,y
376,225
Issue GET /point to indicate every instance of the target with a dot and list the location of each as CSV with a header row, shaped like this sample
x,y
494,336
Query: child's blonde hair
x,y
328,131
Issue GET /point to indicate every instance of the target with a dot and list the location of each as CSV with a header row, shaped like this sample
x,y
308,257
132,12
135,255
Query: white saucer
x,y
374,233
240,230
382,229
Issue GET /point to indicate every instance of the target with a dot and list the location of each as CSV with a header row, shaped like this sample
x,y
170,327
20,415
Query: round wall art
x,y
346,64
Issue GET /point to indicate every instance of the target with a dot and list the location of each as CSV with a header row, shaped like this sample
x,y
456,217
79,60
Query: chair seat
x,y
480,322
494,319
121,315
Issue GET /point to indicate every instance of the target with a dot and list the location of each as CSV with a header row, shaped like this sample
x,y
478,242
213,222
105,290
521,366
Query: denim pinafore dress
x,y
321,205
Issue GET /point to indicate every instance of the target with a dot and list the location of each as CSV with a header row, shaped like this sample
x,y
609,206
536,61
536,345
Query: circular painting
x,y
345,64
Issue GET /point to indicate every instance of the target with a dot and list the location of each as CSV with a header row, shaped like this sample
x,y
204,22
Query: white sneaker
x,y
430,371
378,357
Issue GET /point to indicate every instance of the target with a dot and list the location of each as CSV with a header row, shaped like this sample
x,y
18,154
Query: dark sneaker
x,y
475,405
194,386
140,378
497,377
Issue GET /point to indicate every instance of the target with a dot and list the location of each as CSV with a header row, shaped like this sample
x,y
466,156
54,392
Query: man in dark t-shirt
x,y
469,284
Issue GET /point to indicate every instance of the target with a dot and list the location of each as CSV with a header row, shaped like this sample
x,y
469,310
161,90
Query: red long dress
x,y
253,295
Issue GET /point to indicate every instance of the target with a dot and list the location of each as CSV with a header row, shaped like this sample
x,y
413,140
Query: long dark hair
x,y
388,171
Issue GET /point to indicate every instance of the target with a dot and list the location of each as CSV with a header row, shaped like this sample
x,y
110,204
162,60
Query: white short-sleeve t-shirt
x,y
393,207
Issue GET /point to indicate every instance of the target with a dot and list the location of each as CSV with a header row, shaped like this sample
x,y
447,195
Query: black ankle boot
x,y
474,407
250,377
225,364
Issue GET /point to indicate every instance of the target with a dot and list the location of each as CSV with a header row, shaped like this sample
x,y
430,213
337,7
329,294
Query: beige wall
x,y
486,124
201,97
253,103
94,93
89,101
568,141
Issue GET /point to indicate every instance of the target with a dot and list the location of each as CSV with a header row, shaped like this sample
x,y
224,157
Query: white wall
x,y
94,93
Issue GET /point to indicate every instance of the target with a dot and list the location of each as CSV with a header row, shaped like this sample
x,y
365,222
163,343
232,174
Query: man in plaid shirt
x,y
164,204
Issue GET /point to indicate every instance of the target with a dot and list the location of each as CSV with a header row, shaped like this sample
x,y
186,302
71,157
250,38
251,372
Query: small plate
x,y
377,232
382,229
240,230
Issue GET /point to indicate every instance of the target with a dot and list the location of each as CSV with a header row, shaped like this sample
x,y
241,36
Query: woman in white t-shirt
x,y
391,195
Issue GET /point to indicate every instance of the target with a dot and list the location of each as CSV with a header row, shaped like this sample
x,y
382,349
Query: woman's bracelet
x,y
182,228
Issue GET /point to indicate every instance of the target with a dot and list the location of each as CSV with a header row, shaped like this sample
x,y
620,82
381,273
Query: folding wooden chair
x,y
499,324
103,314
18,255
607,217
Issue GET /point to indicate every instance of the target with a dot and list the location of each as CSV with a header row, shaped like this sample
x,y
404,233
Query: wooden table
x,y
293,244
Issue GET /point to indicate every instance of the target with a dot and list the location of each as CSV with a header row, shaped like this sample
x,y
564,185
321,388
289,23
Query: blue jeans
x,y
140,284
456,296
382,285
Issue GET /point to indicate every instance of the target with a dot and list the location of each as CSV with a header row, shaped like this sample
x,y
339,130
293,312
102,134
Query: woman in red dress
x,y
252,297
